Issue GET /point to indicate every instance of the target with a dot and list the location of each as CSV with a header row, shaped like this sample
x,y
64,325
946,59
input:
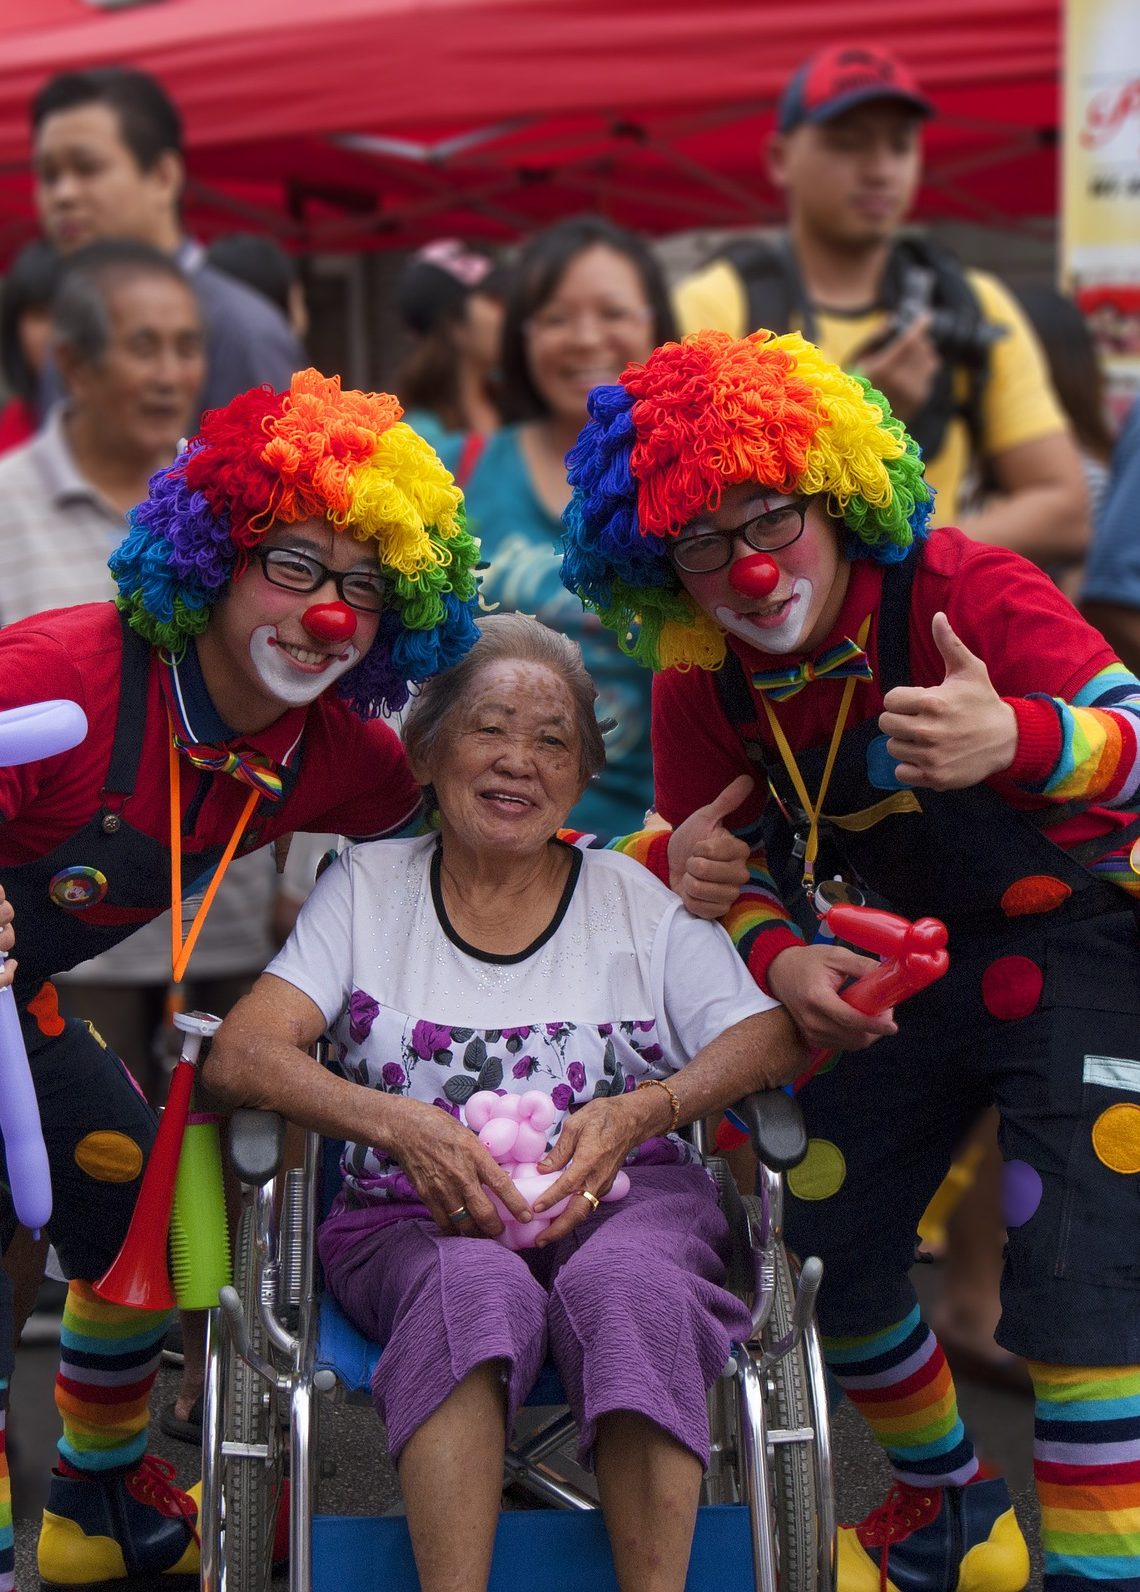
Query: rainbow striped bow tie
x,y
250,768
846,660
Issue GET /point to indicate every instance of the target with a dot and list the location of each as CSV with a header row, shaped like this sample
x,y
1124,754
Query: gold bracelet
x,y
675,1104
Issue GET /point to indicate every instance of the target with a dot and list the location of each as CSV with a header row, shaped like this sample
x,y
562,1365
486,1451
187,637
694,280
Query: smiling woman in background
x,y
586,297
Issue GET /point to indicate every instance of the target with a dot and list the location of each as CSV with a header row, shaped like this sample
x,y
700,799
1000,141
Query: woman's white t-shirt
x,y
623,985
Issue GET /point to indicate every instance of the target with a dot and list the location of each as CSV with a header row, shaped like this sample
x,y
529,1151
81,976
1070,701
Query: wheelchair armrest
x,y
256,1139
776,1125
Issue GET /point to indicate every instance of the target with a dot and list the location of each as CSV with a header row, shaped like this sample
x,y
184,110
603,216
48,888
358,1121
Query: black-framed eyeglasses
x,y
767,533
359,588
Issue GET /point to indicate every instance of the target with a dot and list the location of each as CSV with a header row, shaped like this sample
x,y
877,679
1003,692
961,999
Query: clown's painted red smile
x,y
800,608
268,647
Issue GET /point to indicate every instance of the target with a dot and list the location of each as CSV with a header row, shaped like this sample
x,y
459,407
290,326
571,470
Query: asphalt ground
x,y
363,1483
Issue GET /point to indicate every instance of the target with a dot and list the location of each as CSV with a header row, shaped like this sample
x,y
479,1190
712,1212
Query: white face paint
x,y
782,635
295,680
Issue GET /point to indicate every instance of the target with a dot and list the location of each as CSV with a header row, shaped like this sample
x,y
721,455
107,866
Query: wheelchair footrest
x,y
373,1553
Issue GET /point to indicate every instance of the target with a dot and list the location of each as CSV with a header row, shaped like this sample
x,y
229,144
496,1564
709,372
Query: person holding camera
x,y
948,348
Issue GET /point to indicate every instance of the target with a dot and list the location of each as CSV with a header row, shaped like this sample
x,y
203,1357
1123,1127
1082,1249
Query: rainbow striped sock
x,y
900,1383
1086,1462
108,1359
7,1541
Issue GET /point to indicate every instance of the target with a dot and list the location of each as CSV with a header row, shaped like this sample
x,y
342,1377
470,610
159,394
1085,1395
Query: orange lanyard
x,y
181,946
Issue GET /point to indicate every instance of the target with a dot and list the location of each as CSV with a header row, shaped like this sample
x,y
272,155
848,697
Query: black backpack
x,y
776,299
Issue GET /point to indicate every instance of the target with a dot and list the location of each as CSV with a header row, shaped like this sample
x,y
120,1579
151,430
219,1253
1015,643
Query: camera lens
x,y
964,339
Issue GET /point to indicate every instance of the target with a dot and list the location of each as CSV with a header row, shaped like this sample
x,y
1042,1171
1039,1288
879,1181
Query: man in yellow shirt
x,y
948,348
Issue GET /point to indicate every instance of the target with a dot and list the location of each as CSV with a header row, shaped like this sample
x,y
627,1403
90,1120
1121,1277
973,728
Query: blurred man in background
x,y
948,348
108,164
126,331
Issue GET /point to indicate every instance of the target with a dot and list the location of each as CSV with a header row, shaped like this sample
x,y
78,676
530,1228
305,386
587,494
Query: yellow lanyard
x,y
180,947
814,809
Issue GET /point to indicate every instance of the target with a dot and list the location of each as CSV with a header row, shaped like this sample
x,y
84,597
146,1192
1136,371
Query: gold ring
x,y
592,1200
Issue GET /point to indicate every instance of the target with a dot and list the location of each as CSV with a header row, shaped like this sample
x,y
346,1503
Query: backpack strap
x,y
953,295
774,294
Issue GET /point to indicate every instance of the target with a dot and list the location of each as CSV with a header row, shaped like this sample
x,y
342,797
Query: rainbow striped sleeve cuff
x,y
650,847
1084,750
758,922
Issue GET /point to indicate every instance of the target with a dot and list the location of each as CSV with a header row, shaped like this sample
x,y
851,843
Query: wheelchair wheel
x,y
795,1503
252,1485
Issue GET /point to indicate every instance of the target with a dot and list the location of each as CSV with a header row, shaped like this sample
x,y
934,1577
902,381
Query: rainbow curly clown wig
x,y
271,458
704,414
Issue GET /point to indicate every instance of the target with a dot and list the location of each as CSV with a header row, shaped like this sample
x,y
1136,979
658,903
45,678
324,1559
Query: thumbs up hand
x,y
953,735
708,864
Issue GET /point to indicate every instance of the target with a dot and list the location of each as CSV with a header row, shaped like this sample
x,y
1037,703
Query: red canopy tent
x,y
343,124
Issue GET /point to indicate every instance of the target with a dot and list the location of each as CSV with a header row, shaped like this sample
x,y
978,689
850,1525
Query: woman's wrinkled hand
x,y
450,1171
592,1148
7,940
708,864
806,980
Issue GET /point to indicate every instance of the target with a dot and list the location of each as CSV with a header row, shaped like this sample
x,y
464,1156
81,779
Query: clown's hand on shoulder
x,y
7,940
806,979
953,735
708,864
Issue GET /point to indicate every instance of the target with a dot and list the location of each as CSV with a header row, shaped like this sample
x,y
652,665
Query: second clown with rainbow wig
x,y
930,716
291,573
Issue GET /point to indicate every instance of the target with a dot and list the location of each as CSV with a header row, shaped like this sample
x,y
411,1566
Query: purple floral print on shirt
x,y
362,1013
427,1038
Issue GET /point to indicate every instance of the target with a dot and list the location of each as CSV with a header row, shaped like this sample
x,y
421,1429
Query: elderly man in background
x,y
127,336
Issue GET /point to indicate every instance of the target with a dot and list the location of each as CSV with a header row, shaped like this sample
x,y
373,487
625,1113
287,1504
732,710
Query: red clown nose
x,y
330,622
754,576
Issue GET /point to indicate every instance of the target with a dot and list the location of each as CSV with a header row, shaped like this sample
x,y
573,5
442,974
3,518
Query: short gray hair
x,y
79,317
508,638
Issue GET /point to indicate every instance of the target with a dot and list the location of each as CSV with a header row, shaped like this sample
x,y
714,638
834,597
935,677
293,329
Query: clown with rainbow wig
x,y
346,459
300,564
928,717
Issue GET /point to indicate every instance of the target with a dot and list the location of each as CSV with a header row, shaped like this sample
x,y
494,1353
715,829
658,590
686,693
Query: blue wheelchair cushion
x,y
352,1357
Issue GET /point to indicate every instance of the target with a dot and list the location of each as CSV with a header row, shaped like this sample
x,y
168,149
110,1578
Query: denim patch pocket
x,y
1099,1240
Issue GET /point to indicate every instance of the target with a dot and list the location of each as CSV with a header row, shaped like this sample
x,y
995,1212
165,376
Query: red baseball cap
x,y
846,75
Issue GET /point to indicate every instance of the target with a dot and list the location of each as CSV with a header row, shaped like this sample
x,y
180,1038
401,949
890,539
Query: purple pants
x,y
630,1307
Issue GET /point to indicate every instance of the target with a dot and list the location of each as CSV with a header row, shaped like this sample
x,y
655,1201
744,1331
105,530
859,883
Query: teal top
x,y
431,428
521,546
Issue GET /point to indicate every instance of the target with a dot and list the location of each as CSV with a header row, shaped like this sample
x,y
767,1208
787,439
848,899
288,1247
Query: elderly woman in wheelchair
x,y
493,956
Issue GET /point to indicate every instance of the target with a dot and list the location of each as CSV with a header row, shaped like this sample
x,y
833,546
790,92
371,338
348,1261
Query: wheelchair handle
x,y
234,1317
811,1276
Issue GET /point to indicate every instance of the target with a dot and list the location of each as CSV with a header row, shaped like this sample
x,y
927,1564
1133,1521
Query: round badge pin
x,y
78,887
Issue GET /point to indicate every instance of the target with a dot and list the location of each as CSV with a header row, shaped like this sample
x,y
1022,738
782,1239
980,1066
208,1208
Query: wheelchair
x,y
278,1349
